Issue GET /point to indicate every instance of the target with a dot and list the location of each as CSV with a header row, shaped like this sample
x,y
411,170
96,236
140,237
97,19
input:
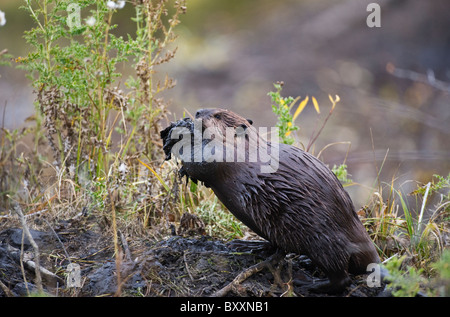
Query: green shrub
x,y
77,69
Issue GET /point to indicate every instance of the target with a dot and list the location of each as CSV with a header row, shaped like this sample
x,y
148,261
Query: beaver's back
x,y
301,208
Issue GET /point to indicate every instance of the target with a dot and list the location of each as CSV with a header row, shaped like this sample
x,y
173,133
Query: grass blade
x,y
157,176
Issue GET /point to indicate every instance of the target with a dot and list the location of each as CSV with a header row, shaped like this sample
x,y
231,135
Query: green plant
x,y
199,200
403,283
281,107
441,284
77,66
342,174
407,281
219,221
425,234
398,228
436,184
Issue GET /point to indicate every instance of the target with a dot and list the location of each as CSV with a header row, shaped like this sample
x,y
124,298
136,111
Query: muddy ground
x,y
173,266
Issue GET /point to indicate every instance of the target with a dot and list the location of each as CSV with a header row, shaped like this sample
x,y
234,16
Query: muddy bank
x,y
174,266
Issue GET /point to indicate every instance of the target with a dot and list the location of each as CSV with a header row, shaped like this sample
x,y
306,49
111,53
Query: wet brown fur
x,y
300,208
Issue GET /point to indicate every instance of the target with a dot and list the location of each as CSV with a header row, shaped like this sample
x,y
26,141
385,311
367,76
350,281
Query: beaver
x,y
301,207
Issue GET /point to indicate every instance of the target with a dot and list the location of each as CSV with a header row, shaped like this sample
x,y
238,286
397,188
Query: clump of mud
x,y
174,266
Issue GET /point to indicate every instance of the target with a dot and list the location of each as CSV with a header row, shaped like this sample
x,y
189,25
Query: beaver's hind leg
x,y
335,284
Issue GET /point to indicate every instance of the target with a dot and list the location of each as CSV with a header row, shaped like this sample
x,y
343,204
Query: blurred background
x,y
230,52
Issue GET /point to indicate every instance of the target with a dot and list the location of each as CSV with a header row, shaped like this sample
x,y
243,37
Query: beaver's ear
x,y
250,121
240,130
243,127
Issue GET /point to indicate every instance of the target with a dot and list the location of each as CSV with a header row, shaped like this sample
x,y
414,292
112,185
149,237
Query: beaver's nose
x,y
199,113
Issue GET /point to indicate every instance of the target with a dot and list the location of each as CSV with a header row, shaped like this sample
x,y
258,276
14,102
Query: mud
x,y
174,266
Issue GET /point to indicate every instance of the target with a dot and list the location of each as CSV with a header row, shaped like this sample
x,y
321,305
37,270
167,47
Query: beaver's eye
x,y
218,116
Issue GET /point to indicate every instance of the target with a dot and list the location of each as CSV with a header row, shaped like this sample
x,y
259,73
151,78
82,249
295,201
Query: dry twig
x,y
428,79
249,272
37,268
6,290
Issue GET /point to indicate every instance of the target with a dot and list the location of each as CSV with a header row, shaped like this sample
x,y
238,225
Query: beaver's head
x,y
222,119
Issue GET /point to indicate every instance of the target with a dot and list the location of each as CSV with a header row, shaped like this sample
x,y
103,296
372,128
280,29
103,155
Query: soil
x,y
196,265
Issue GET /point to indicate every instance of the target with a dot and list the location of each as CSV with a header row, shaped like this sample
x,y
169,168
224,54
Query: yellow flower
x,y
289,124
